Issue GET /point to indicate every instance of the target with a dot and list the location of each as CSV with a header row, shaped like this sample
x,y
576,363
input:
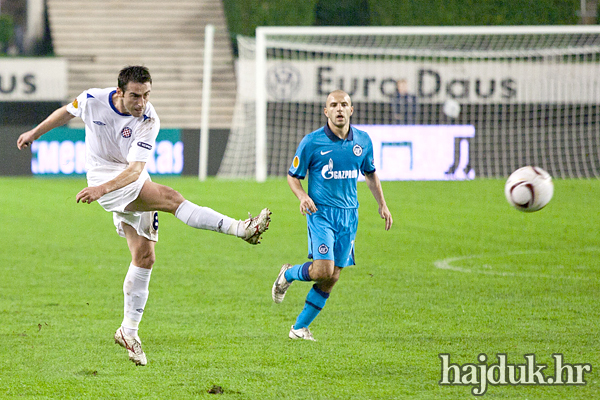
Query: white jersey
x,y
113,139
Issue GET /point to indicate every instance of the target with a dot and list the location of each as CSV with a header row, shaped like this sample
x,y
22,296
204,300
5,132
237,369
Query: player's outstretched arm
x,y
307,206
129,175
58,118
375,187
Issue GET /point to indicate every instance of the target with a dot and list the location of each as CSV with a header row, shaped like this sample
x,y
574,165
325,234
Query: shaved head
x,y
337,94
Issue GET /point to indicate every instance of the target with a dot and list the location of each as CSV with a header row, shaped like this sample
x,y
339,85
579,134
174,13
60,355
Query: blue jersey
x,y
333,165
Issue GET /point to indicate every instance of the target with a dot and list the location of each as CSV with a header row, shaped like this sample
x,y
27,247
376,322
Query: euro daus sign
x,y
33,79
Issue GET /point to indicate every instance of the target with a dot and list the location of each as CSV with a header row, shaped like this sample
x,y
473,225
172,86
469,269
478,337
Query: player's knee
x,y
172,197
320,276
331,280
144,258
327,284
334,278
322,271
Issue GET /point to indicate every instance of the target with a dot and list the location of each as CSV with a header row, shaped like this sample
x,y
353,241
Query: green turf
x,y
519,284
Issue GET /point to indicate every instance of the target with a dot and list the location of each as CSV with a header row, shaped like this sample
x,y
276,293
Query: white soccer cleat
x,y
133,346
302,333
281,284
255,226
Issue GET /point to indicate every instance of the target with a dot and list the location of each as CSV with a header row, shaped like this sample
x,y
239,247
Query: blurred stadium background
x,y
509,282
54,49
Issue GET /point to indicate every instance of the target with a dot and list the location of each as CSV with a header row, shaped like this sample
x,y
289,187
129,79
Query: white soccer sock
x,y
135,290
204,218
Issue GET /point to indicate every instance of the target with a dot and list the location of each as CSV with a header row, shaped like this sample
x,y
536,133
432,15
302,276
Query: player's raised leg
x,y
288,274
154,196
308,271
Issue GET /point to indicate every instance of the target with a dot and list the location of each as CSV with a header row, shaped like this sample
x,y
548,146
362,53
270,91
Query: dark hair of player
x,y
133,73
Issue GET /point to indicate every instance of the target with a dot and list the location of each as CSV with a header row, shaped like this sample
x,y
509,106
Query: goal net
x,y
531,94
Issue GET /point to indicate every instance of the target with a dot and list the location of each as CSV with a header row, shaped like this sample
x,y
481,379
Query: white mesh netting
x,y
532,94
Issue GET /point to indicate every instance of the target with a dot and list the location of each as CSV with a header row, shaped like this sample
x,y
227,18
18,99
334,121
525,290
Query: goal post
x,y
261,105
532,93
209,37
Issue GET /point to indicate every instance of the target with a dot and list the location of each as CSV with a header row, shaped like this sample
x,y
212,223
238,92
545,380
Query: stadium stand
x,y
99,37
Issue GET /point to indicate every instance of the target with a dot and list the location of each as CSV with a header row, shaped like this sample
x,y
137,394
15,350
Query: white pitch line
x,y
447,265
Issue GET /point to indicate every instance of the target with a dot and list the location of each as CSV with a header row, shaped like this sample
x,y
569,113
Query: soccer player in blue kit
x,y
333,156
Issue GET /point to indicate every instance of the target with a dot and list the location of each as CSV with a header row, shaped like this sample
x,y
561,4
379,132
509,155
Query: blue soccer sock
x,y
315,301
298,272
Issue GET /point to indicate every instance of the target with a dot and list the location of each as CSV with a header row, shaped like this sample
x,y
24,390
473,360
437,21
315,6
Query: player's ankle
x,y
237,229
129,331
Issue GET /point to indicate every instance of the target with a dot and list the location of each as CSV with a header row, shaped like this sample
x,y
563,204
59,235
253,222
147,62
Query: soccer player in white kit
x,y
120,131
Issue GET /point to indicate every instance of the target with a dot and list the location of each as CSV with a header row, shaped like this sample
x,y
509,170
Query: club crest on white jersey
x,y
126,132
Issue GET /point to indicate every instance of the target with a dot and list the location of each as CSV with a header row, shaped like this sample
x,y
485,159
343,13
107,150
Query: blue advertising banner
x,y
61,152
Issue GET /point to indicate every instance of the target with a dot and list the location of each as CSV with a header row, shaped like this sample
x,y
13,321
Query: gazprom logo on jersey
x,y
62,152
328,173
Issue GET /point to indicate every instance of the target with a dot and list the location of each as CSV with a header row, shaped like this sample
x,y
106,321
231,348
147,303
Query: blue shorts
x,y
331,234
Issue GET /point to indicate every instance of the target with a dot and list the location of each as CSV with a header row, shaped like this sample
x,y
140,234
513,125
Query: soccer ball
x,y
451,108
529,189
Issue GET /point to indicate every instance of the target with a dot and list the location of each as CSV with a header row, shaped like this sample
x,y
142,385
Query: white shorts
x,y
145,223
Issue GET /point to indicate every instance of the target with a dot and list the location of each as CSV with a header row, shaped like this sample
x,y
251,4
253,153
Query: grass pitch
x,y
459,273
